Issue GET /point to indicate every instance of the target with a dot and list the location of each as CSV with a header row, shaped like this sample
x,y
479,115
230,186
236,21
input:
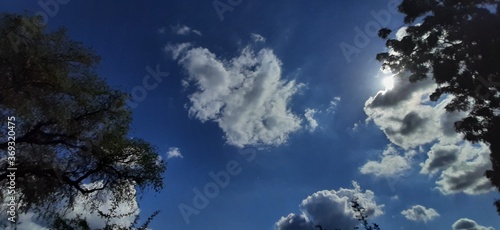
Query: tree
x,y
457,42
361,215
70,127
359,210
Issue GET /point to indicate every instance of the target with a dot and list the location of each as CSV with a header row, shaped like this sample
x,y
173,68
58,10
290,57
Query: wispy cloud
x,y
332,107
174,152
183,30
309,115
257,37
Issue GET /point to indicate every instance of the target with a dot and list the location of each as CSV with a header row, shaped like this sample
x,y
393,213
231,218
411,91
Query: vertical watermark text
x,y
12,202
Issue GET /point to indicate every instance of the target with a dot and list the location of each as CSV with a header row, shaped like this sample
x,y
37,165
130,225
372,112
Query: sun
x,y
388,82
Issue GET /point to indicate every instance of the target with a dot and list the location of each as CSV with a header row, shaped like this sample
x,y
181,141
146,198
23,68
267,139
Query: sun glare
x,y
388,82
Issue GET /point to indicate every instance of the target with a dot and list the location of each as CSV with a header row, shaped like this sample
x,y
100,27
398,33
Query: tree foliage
x,y
360,212
71,127
457,42
362,217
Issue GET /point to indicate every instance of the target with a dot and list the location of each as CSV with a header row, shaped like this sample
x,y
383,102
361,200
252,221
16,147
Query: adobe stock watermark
x,y
217,182
12,198
50,8
362,38
222,6
149,82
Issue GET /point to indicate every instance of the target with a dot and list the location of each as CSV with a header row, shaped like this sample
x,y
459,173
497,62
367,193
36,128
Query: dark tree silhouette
x,y
361,215
320,227
457,43
359,210
70,127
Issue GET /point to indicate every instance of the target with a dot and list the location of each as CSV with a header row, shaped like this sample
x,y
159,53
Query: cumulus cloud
x,y
461,165
331,209
257,37
184,30
410,120
294,222
420,213
313,124
468,224
439,157
467,173
391,163
174,152
403,115
245,95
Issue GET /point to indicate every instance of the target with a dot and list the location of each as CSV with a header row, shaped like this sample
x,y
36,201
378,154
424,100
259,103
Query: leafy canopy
x,y
71,127
457,42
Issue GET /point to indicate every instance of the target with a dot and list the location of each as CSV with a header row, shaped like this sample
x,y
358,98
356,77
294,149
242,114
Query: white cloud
x,y
245,95
468,224
294,222
401,33
420,213
410,120
174,152
94,220
312,121
354,129
467,173
440,157
313,124
184,30
392,163
257,37
176,50
403,114
331,209
333,105
29,220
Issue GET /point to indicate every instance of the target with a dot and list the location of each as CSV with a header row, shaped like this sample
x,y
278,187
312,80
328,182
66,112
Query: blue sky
x,y
284,102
